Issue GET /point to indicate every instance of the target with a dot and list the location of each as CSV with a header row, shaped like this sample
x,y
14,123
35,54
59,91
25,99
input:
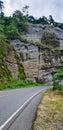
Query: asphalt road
x,y
11,101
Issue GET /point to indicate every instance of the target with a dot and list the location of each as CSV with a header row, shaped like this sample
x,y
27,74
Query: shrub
x,y
57,85
21,75
50,38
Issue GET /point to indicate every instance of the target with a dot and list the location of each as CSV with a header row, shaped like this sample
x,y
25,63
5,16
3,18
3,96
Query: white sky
x,y
37,8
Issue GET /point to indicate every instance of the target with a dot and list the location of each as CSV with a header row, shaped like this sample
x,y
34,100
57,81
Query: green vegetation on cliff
x,y
58,81
12,27
6,79
4,47
5,73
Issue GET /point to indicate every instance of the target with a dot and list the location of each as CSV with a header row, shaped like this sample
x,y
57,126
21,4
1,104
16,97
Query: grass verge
x,y
50,112
16,83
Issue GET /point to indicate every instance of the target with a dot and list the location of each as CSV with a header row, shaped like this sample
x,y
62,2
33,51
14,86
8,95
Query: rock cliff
x,y
39,62
11,63
35,32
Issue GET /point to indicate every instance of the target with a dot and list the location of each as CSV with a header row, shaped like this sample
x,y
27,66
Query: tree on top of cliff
x,y
17,14
25,10
51,20
42,20
1,7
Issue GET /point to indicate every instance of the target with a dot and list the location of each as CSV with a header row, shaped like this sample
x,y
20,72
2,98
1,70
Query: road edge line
x,y
12,118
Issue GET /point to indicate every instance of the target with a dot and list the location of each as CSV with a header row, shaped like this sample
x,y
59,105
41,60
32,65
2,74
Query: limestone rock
x,y
12,64
39,63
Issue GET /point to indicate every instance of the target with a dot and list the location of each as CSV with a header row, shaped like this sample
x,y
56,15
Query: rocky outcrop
x,y
11,63
40,63
35,33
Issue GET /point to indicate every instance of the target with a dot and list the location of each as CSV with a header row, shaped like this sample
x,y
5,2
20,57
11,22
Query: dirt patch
x,y
50,112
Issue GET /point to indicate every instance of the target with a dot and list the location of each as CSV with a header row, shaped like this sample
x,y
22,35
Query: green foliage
x,y
60,25
57,81
1,7
12,32
12,27
51,20
43,20
5,74
20,21
25,10
21,75
16,83
16,56
61,52
4,47
50,38
24,39
1,29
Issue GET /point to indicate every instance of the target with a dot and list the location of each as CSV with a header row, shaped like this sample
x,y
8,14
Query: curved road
x,y
23,101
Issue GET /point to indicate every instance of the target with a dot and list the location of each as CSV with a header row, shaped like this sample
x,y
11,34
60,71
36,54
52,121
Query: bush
x,y
21,75
50,38
57,85
11,31
5,73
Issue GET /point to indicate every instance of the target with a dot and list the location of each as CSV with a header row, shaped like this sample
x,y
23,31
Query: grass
x,y
16,83
50,112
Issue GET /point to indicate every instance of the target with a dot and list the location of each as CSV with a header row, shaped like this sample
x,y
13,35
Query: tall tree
x,y
51,20
43,20
17,14
1,7
25,10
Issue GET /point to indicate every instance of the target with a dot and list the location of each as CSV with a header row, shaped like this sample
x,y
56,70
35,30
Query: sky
x,y
37,8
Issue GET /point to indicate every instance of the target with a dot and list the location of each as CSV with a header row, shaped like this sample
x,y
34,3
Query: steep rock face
x,y
35,33
39,63
11,62
29,58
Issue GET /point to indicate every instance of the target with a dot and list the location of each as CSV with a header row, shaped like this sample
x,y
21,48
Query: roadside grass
x,y
16,83
50,112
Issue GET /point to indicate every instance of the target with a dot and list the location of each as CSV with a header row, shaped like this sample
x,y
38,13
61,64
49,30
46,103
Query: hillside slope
x,y
10,66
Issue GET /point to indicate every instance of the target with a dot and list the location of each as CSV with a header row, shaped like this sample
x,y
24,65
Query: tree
x,y
51,20
25,10
12,31
31,19
1,7
42,20
7,20
18,14
20,21
50,38
57,80
61,26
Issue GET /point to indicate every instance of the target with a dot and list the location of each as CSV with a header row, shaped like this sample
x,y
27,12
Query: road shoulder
x,y
26,118
50,112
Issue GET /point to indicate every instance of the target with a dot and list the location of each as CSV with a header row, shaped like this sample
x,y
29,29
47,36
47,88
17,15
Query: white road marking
x,y
2,127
